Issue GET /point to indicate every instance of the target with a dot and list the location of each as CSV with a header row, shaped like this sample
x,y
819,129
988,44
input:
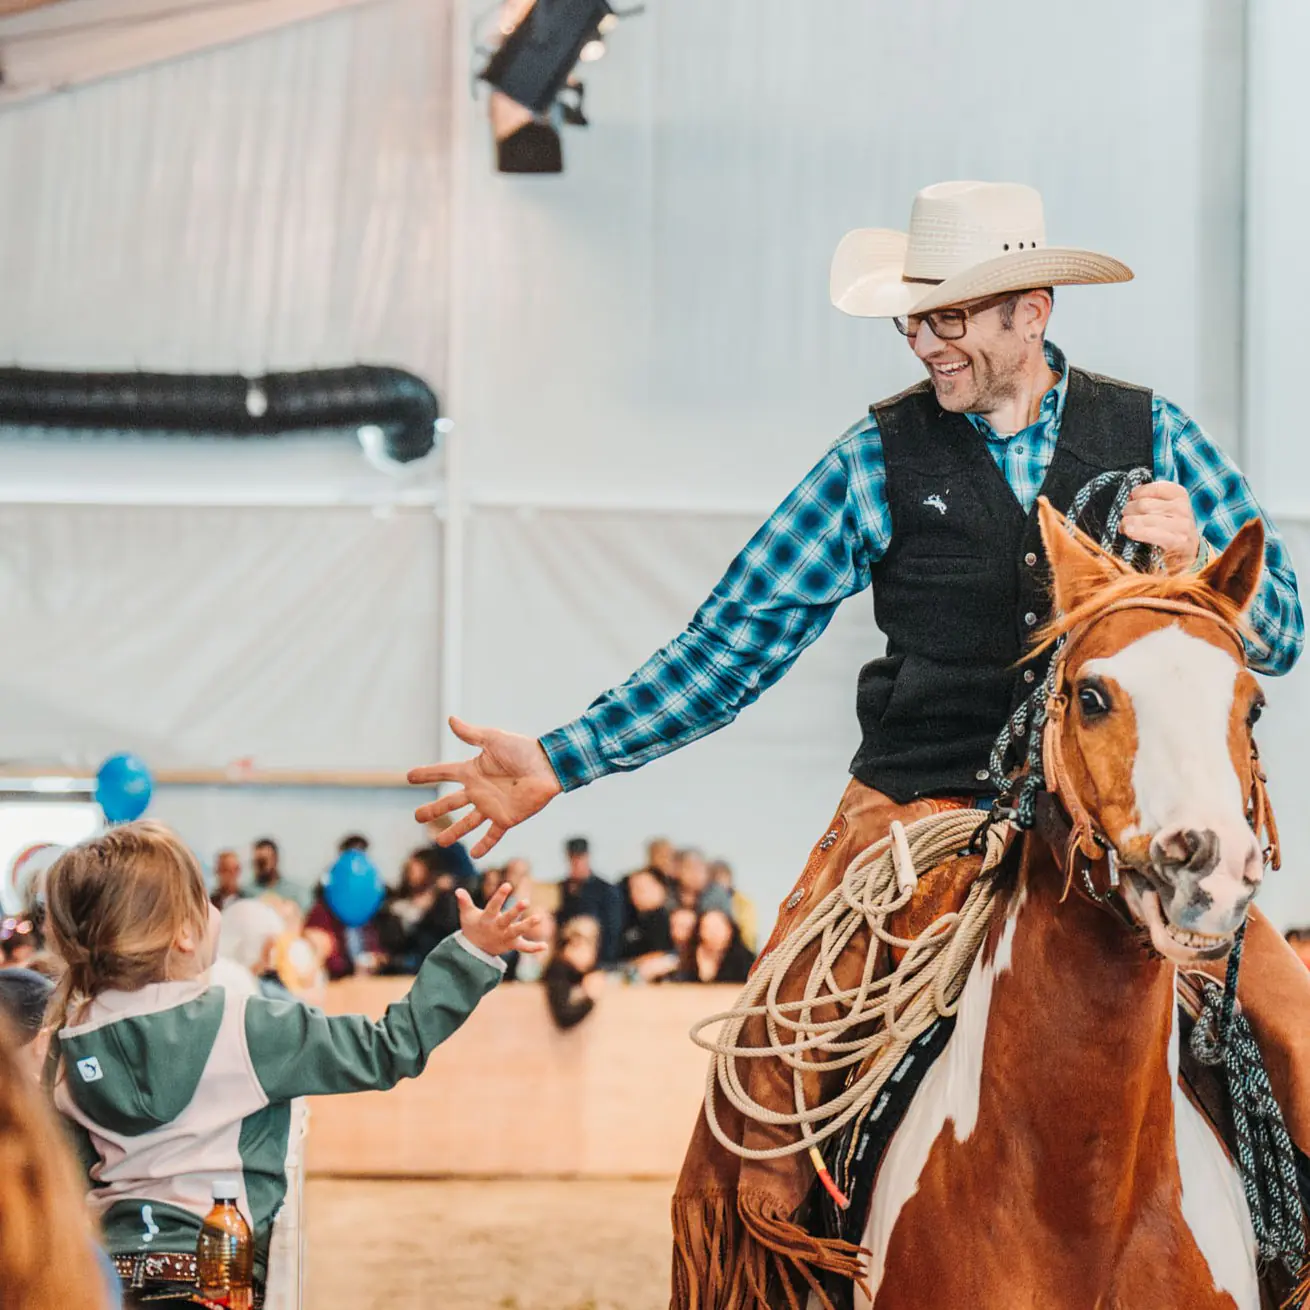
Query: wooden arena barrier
x,y
511,1096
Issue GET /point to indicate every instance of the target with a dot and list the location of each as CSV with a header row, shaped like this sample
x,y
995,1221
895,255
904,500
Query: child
x,y
24,995
170,1082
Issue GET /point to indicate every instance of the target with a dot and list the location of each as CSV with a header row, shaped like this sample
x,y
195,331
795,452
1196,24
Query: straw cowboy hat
x,y
967,241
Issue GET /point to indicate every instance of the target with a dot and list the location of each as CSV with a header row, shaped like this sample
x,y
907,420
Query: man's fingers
x,y
430,773
489,839
461,827
469,733
443,805
1158,491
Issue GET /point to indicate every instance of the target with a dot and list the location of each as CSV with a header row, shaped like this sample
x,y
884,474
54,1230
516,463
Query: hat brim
x,y
867,278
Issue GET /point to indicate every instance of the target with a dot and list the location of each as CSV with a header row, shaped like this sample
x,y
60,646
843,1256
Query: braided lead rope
x,y
1030,715
1266,1160
888,1013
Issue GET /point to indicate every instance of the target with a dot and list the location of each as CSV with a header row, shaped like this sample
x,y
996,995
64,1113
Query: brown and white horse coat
x,y
1051,1157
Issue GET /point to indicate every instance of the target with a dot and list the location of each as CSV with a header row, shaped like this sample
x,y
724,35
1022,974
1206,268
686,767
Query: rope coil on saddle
x,y
898,1007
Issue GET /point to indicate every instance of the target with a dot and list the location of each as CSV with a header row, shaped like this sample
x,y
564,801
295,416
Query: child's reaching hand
x,y
497,930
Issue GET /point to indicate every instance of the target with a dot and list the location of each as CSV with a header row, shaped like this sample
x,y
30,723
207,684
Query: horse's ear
x,y
1078,565
1236,573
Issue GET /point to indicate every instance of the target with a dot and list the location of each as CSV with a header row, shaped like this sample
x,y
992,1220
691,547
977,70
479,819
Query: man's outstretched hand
x,y
509,780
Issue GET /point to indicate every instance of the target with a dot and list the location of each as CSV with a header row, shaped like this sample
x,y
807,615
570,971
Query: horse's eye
x,y
1253,714
1093,702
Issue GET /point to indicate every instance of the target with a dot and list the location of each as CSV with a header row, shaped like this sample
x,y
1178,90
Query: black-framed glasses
x,y
949,324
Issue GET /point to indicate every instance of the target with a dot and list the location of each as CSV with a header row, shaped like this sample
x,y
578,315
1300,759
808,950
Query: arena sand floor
x,y
499,1245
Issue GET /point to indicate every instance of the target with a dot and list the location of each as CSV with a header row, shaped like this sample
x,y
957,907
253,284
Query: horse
x,y
1051,1156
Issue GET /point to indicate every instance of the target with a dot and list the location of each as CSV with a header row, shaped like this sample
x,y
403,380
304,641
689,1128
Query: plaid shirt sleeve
x,y
777,596
1222,501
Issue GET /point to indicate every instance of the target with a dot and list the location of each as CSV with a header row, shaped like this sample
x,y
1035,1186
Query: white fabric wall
x,y
639,355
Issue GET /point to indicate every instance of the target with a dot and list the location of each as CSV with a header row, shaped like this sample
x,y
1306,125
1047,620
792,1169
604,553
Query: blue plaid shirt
x,y
781,592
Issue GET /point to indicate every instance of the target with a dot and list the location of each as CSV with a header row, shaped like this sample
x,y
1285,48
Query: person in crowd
x,y
646,915
585,893
716,952
155,1064
421,913
573,981
266,859
662,857
743,908
517,872
353,841
453,859
692,886
24,995
682,930
48,1256
250,930
20,941
227,880
343,953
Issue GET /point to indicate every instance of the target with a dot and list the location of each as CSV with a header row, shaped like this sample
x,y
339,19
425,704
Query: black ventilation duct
x,y
399,406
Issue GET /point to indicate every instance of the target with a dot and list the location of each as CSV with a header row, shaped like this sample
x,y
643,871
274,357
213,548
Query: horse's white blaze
x,y
950,1091
1214,1205
1182,689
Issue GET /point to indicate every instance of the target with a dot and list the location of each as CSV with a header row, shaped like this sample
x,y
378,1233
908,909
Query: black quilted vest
x,y
965,583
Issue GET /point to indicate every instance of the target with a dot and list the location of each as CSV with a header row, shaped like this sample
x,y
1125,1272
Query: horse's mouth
x,y
1178,945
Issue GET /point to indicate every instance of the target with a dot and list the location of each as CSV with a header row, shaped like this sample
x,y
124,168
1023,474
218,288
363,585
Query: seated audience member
x,y
743,908
343,951
418,915
24,995
717,954
573,982
646,916
585,893
19,940
249,937
353,841
682,930
187,1083
48,1257
454,860
529,968
517,872
266,859
692,887
227,880
661,856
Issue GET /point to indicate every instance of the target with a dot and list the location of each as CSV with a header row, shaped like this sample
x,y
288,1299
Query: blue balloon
x,y
123,788
353,889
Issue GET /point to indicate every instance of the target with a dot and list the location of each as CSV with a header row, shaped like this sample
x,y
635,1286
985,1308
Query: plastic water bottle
x,y
225,1251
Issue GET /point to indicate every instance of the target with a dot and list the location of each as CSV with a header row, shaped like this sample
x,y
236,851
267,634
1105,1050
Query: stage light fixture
x,y
534,89
533,62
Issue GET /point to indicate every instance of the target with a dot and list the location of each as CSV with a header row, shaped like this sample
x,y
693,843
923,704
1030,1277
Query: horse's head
x,y
1149,737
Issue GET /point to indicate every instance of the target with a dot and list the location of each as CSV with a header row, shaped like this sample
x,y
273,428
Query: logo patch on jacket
x,y
90,1069
935,502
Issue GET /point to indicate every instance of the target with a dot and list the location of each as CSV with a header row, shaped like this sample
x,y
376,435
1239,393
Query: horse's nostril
x,y
1193,849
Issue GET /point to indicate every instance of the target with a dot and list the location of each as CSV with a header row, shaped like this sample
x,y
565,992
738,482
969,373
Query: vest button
x,y
1030,618
1029,676
1030,559
982,775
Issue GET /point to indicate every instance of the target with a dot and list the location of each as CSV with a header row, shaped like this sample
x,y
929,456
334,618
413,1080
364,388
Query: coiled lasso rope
x,y
888,1013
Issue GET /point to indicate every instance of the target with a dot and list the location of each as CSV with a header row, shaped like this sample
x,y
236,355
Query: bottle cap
x,y
226,1189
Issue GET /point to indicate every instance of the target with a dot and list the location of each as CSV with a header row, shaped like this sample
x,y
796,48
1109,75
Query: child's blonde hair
x,y
113,908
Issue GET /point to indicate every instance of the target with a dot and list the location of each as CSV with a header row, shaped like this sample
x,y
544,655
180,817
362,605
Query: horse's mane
x,y
1189,588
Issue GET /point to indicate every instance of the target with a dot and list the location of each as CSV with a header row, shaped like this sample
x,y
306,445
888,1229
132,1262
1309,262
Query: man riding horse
x,y
930,500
